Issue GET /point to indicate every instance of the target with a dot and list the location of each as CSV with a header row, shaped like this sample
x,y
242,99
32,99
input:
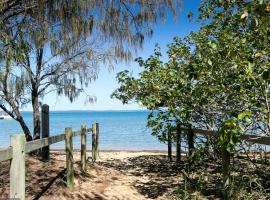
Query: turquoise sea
x,y
119,130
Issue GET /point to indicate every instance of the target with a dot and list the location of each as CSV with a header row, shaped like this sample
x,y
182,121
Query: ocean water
x,y
119,130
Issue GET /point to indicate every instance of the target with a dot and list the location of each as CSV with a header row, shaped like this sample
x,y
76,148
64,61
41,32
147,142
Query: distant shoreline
x,y
126,151
93,111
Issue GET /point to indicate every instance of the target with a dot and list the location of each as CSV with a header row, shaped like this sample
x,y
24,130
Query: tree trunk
x,y
178,144
16,115
36,115
25,129
226,173
169,144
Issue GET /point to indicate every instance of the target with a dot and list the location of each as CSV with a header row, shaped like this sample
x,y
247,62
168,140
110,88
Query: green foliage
x,y
212,75
216,78
197,156
232,129
245,187
59,46
192,184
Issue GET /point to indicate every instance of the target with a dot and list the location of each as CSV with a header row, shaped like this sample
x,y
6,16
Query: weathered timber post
x,y
170,144
83,149
207,144
94,142
97,138
265,154
190,141
45,131
69,158
226,173
17,168
178,143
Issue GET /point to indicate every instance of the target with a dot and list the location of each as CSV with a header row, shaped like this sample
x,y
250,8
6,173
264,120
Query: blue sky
x,y
106,82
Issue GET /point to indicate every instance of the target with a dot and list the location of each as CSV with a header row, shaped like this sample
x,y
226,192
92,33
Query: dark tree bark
x,y
25,129
169,144
35,94
17,116
178,143
190,141
36,116
226,157
10,9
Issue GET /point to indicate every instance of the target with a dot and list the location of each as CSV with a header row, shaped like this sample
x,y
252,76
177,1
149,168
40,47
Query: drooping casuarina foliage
x,y
60,45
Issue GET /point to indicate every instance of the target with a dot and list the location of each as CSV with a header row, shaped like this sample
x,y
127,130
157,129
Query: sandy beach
x,y
116,175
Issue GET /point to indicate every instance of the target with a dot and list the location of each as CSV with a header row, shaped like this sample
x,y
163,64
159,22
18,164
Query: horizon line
x,y
80,110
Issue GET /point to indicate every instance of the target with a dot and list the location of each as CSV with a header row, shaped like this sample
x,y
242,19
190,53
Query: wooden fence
x,y
249,138
225,155
265,140
19,147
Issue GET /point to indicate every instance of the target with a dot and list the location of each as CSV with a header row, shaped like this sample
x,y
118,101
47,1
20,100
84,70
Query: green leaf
x,y
209,62
244,114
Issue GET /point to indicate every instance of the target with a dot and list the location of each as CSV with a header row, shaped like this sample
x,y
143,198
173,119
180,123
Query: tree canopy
x,y
215,79
60,45
211,75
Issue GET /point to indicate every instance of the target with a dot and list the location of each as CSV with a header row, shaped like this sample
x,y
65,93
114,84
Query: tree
x,y
163,88
217,78
59,46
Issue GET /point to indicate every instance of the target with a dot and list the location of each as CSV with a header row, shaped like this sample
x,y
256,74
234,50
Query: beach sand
x,y
116,175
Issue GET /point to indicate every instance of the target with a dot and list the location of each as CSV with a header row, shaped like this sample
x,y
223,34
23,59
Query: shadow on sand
x,y
156,173
153,176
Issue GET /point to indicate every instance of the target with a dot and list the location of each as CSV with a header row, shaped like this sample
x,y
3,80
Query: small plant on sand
x,y
192,185
245,187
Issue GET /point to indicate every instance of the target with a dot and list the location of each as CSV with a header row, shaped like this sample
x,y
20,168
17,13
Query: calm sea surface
x,y
118,130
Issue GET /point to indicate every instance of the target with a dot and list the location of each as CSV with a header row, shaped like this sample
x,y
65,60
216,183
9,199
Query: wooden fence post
x,y
190,136
94,142
17,168
169,144
45,131
97,138
69,158
226,173
83,148
178,143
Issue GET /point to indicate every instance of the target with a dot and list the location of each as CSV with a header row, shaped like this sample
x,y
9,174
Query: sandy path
x,y
116,175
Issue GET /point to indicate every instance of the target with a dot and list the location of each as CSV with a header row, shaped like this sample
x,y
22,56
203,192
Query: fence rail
x,y
249,138
224,154
19,147
6,153
264,140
